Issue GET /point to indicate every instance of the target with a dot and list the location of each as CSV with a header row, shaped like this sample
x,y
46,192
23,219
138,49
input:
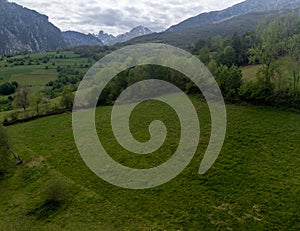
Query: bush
x,y
56,191
8,88
67,99
230,81
257,93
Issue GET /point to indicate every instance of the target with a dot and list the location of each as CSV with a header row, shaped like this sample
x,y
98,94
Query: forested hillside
x,y
274,48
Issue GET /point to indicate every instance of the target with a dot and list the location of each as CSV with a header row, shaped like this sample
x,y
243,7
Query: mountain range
x,y
240,18
243,8
25,30
75,39
109,39
22,29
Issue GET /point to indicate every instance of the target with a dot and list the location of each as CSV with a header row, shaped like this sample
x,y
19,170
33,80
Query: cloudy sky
x,y
119,16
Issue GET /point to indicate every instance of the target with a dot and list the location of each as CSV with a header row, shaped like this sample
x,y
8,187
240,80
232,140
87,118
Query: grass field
x,y
38,69
249,72
254,185
283,77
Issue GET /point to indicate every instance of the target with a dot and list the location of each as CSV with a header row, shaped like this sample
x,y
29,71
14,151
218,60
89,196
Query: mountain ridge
x,y
185,38
109,39
25,30
245,7
74,38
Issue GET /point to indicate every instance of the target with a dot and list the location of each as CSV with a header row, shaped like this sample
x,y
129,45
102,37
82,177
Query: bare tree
x,y
37,100
22,98
5,150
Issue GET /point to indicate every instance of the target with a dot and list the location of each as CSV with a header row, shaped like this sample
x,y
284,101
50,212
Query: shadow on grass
x,y
46,210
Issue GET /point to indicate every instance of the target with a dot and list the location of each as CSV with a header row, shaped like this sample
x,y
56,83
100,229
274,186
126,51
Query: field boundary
x,y
28,119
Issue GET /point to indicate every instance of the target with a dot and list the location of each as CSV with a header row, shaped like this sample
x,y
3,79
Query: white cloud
x,y
119,16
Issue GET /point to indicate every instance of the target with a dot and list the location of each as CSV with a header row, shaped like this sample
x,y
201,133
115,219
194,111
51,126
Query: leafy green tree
x,y
213,67
293,46
229,80
228,56
272,44
67,98
8,88
37,100
204,55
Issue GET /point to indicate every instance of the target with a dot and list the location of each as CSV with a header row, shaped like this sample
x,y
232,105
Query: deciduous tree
x,y
22,98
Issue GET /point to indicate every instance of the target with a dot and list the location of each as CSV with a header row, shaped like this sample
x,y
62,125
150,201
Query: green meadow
x,y
36,70
254,184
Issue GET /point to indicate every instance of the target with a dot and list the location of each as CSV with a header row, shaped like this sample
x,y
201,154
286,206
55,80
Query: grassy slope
x,y
253,185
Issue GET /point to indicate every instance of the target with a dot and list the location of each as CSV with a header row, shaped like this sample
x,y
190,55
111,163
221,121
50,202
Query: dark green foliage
x,y
266,46
67,98
230,81
6,104
67,77
226,51
8,88
228,56
93,52
136,74
257,93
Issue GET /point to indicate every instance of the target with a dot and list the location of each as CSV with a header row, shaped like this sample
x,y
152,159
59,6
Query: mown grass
x,y
254,185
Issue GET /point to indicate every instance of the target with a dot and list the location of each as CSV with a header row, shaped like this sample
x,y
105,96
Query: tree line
x,y
274,47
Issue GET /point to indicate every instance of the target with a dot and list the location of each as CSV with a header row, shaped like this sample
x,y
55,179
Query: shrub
x,y
56,191
8,88
67,99
230,81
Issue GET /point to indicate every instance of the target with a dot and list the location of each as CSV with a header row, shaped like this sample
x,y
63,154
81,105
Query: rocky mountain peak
x,y
109,39
22,30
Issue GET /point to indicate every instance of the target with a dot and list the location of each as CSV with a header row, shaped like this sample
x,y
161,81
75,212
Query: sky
x,y
119,16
